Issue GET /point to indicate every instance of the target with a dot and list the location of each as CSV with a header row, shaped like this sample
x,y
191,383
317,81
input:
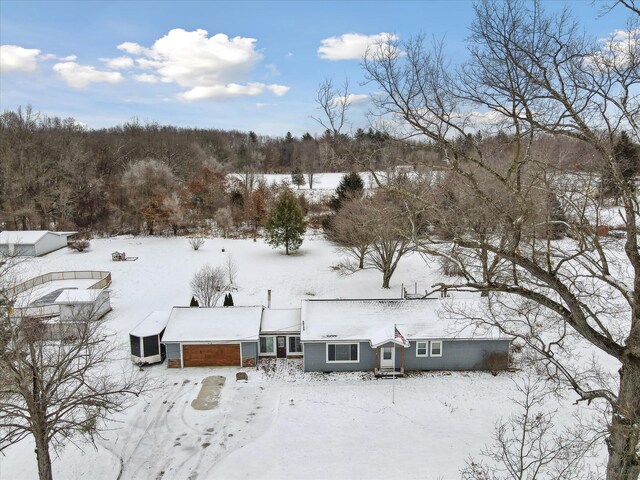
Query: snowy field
x,y
281,423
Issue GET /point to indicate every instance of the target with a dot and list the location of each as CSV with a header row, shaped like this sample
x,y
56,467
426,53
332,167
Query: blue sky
x,y
104,63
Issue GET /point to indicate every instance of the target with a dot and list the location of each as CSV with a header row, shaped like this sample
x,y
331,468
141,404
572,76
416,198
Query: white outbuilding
x,y
32,243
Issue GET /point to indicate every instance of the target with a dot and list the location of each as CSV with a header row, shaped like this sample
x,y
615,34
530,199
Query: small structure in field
x,y
118,256
145,338
83,303
32,243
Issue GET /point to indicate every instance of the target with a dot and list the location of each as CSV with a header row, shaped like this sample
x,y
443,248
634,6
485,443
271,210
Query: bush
x,y
196,242
79,245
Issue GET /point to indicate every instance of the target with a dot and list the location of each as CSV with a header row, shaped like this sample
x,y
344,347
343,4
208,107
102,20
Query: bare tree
x,y
232,273
532,74
351,229
208,284
57,381
529,446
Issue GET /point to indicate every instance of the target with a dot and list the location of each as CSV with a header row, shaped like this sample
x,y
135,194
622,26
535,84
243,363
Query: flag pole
x,y
393,381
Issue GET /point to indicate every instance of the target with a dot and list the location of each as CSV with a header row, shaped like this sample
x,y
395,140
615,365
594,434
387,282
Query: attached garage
x,y
225,355
212,336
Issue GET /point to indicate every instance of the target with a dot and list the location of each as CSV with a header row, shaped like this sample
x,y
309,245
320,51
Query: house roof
x,y
373,320
153,324
213,324
27,237
78,295
276,320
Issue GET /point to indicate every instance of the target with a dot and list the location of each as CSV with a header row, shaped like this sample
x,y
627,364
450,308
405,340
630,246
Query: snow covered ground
x,y
282,422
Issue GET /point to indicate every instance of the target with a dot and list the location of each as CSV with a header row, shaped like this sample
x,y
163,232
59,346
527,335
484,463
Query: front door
x,y
281,343
387,355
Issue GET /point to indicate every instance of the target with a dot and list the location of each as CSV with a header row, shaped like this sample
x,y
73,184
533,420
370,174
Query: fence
x,y
51,310
104,279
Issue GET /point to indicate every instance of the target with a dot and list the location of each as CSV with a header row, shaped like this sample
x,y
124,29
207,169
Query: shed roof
x,y
152,324
213,324
373,320
27,237
78,295
275,320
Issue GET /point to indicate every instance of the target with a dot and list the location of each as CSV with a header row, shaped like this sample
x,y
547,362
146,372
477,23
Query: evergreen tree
x,y
297,178
286,225
228,301
194,302
627,160
351,186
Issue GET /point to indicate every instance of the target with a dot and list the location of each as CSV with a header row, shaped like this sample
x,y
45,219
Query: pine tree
x,y
627,160
194,302
351,186
285,225
228,301
297,178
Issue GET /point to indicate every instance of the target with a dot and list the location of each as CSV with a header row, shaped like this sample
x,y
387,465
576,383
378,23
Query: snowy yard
x,y
282,422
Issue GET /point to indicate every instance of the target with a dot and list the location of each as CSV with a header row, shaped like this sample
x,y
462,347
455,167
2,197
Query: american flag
x,y
399,335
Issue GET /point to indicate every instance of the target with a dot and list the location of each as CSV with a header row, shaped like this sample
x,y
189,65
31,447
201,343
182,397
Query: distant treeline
x,y
148,178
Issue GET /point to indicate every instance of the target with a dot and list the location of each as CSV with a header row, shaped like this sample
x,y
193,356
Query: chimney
x,y
268,298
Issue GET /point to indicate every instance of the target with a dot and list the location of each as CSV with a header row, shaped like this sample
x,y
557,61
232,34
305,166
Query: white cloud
x,y
351,99
132,48
619,48
265,104
81,76
118,63
206,67
53,56
146,78
231,90
18,59
351,46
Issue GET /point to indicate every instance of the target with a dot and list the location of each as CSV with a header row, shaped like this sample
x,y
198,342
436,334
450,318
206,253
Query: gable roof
x,y
213,324
276,320
373,321
27,237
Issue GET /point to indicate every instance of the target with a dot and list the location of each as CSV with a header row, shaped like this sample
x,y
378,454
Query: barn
x,y
32,243
212,336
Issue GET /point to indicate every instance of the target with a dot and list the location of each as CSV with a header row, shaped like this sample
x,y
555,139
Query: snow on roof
x,y
78,295
280,320
213,324
374,320
23,237
152,324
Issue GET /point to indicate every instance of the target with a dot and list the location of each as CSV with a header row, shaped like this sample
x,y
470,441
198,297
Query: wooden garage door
x,y
211,355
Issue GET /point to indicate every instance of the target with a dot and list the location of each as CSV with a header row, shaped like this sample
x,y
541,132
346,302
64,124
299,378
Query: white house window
x,y
294,345
343,352
421,349
436,348
267,346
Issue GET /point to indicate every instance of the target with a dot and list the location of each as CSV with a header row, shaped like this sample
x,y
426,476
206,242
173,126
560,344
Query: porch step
x,y
388,373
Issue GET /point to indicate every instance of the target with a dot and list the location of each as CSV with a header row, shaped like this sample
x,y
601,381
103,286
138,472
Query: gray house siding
x,y
315,359
173,351
456,355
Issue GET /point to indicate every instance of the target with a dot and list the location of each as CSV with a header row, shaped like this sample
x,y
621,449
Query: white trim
x,y
426,349
341,361
392,359
431,354
289,352
181,356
